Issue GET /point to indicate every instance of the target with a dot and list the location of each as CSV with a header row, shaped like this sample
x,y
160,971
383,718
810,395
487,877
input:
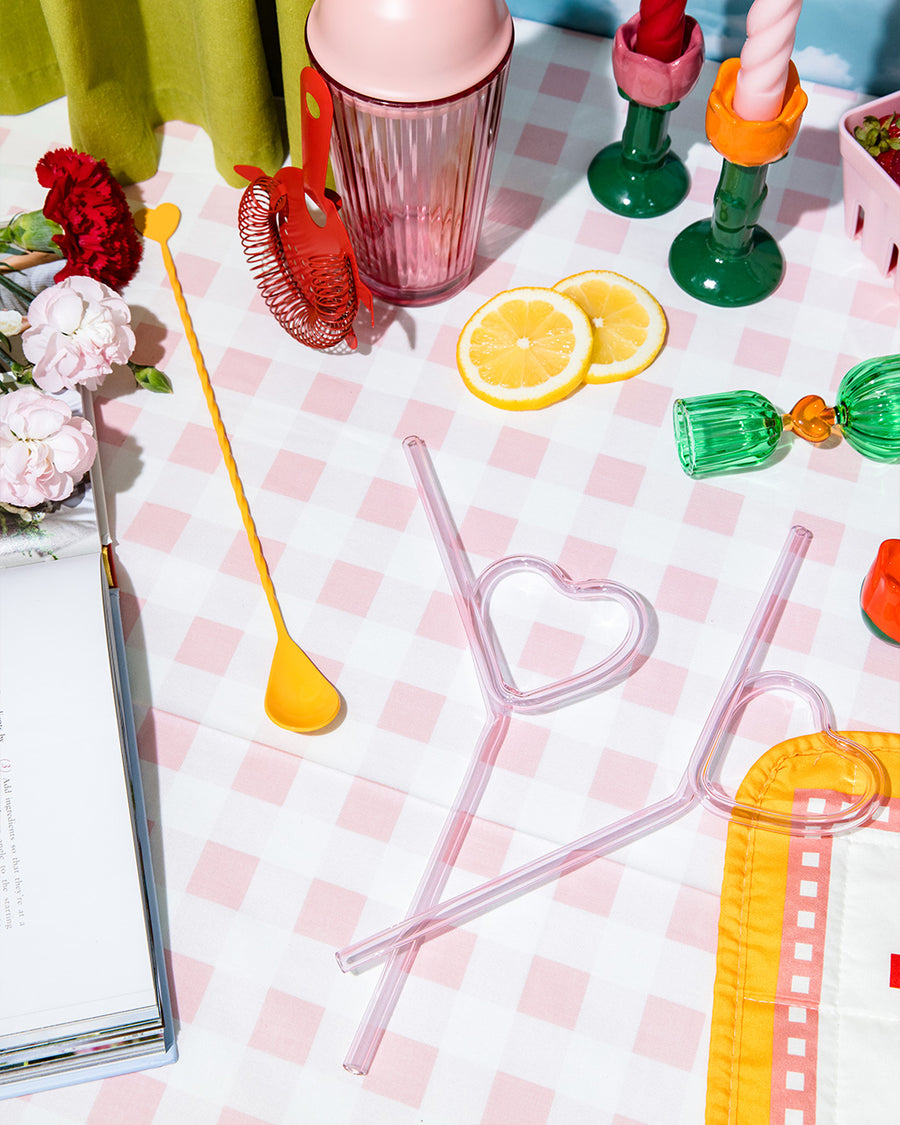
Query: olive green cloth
x,y
127,66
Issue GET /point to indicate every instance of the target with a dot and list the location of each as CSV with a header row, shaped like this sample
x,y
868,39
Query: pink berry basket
x,y
871,198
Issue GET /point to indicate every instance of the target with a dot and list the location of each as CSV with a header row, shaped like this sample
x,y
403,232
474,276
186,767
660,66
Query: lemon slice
x,y
525,348
629,323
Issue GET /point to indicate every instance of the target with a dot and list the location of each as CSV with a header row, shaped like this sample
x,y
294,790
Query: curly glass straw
x,y
501,701
738,687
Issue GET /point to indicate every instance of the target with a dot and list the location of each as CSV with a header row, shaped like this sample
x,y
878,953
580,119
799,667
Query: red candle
x,y
660,31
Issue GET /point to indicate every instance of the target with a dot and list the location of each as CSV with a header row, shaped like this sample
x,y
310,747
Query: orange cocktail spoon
x,y
298,696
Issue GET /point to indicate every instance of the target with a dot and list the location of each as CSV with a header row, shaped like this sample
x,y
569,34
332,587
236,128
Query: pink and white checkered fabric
x,y
586,1001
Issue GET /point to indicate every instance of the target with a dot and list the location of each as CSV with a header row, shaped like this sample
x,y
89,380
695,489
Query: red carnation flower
x,y
98,237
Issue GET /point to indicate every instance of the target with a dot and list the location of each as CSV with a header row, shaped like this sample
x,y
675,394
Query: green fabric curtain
x,y
127,66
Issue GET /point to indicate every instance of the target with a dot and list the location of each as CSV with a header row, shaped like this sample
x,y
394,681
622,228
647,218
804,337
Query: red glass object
x,y
660,32
880,596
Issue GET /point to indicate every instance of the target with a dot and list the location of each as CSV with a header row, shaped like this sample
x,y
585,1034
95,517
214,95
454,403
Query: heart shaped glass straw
x,y
298,697
742,429
696,785
502,700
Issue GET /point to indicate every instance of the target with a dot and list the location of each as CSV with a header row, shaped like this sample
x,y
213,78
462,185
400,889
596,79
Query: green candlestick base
x,y
704,270
640,176
728,260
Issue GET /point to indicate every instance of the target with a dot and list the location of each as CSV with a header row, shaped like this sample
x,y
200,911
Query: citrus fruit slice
x,y
525,348
629,323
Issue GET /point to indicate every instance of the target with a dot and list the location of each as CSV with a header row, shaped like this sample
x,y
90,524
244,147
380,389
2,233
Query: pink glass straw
x,y
501,701
738,688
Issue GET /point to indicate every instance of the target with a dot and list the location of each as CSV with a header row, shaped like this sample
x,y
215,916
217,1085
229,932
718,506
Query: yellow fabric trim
x,y
750,920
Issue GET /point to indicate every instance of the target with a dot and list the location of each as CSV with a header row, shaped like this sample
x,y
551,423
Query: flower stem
x,y
20,291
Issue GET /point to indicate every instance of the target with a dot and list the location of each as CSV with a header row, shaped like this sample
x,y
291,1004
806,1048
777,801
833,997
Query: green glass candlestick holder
x,y
729,260
639,176
736,430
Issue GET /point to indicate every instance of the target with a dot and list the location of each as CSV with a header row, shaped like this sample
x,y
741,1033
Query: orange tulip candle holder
x,y
729,260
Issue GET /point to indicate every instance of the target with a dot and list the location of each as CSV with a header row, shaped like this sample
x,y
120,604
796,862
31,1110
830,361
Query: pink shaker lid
x,y
408,50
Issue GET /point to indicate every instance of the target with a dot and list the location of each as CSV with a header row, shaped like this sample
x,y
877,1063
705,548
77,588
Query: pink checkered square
x,y
514,1100
580,558
513,208
411,711
331,398
827,536
485,848
222,875
550,651
800,209
592,887
840,462
209,646
615,480
537,142
554,992
799,623
622,780
685,593
371,810
762,351
266,774
238,560
195,273
519,452
241,371
821,145
644,401
221,205
487,533
403,1071
115,419
133,1098
287,1026
795,282
694,919
351,588
165,739
703,185
441,622
445,961
523,748
566,82
156,525
442,352
388,504
197,448
713,508
681,327
190,978
602,231
230,1116
658,685
874,302
329,913
669,1033
294,475
421,419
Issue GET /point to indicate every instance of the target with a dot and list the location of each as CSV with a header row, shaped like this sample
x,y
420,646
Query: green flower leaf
x,y
32,230
151,378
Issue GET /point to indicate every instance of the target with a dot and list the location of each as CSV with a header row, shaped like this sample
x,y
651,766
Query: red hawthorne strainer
x,y
301,258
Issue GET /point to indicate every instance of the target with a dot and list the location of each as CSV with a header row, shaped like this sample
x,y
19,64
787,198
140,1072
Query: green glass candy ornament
x,y
736,430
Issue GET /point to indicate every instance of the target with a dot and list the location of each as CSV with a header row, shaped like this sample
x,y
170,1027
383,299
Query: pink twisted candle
x,y
761,81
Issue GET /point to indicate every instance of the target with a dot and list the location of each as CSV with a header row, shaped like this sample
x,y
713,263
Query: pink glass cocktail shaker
x,y
417,87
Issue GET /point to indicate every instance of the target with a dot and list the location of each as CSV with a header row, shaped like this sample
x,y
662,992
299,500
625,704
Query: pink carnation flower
x,y
44,449
79,329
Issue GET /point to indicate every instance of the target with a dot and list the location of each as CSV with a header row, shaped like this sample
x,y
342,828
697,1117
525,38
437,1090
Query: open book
x,y
83,989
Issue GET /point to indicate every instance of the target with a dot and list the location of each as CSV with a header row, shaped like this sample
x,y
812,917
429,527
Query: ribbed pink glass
x,y
413,179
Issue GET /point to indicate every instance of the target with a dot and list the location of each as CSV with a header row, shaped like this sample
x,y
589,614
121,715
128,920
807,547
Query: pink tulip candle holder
x,y
871,197
640,176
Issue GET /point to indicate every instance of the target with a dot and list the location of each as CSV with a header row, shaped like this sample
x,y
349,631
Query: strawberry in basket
x,y
880,136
